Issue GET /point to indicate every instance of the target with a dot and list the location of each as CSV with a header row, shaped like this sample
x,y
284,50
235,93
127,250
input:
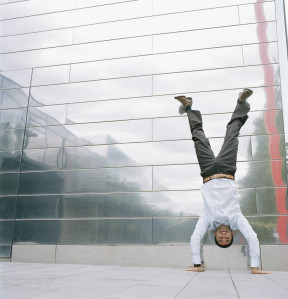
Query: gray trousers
x,y
225,162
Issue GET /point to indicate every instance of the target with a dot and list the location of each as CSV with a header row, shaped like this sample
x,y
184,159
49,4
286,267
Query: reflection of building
x,y
92,149
71,157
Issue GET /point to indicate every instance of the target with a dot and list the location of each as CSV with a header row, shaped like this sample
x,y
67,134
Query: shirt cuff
x,y
196,259
255,262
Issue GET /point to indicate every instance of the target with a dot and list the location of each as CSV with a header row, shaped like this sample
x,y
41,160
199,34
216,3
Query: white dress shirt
x,y
221,206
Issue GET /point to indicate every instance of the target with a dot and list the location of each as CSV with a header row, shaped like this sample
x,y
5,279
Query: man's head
x,y
223,236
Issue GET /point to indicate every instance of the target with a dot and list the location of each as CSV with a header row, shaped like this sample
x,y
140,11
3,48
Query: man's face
x,y
223,234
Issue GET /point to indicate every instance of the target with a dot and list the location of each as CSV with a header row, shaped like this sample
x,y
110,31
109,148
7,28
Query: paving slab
x,y
60,281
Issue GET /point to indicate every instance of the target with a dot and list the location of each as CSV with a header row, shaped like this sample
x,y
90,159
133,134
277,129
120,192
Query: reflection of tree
x,y
5,125
265,229
270,124
28,133
10,138
286,148
133,204
11,141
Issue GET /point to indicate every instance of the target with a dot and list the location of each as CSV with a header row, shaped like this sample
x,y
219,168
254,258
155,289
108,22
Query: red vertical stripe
x,y
270,123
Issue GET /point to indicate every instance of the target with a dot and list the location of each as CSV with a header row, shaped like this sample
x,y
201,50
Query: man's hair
x,y
224,246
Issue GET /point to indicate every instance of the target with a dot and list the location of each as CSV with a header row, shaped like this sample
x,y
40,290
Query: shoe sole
x,y
183,100
246,93
250,92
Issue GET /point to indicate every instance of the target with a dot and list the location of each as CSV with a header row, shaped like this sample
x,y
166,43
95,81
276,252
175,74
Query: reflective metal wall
x,y
92,148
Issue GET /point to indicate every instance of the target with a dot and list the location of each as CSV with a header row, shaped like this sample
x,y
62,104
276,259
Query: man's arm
x,y
196,239
252,240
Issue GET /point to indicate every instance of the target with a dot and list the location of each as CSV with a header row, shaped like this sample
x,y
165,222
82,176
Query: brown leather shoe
x,y
245,94
185,101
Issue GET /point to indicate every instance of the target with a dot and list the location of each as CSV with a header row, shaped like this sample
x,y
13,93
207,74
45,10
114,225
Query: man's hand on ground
x,y
257,271
195,269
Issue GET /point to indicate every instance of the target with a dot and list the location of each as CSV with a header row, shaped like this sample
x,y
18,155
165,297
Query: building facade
x,y
97,166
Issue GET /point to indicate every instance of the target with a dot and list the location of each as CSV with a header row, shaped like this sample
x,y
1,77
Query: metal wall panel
x,y
136,204
42,137
13,118
6,228
135,154
89,3
181,177
214,37
178,230
213,79
34,7
173,230
158,24
93,150
42,159
1,28
155,64
272,201
14,98
178,127
170,6
46,115
108,133
51,75
66,232
261,146
77,53
249,13
123,205
15,79
7,207
11,139
70,18
5,251
37,232
176,177
165,106
91,91
251,54
94,180
30,41
10,161
35,207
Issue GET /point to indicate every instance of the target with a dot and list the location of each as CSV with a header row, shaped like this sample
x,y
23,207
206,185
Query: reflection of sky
x,y
134,121
286,13
184,203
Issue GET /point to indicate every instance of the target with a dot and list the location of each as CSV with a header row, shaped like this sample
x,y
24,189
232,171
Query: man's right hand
x,y
257,271
195,269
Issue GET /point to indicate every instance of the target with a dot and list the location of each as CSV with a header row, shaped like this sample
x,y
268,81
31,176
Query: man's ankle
x,y
188,108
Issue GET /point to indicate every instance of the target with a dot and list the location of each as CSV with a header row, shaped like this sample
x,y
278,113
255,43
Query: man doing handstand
x,y
221,210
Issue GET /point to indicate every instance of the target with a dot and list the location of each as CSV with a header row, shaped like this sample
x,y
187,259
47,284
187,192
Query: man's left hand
x,y
195,269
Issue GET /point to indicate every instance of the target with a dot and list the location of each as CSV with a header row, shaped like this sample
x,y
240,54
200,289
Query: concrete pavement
x,y
49,281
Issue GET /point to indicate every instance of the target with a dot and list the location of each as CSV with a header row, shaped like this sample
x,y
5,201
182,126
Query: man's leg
x,y
226,160
203,149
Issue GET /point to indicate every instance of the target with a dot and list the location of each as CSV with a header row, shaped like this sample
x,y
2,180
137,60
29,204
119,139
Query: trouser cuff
x,y
187,108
